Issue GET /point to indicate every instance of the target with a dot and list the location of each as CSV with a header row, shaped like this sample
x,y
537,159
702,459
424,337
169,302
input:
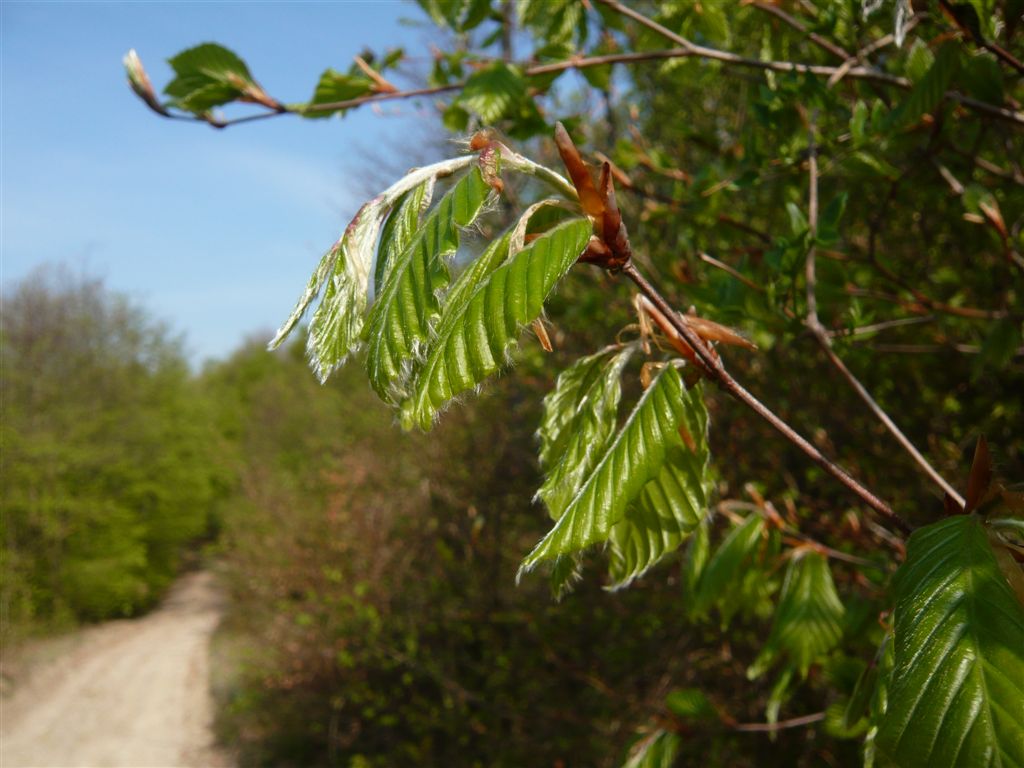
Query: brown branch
x,y
883,325
795,722
824,340
686,49
717,372
1001,53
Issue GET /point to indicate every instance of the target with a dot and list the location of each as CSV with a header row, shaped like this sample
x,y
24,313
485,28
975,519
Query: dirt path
x,y
126,693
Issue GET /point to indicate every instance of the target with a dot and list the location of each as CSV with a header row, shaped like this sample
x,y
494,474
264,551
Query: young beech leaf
x,y
484,315
724,567
670,507
630,461
209,75
579,420
402,316
336,330
655,751
957,689
808,619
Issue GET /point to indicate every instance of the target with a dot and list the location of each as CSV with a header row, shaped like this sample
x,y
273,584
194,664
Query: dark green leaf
x,y
926,94
958,684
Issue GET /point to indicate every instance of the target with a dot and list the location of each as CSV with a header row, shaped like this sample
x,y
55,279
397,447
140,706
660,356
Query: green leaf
x,y
493,92
333,87
345,268
579,420
983,78
402,316
655,751
669,507
690,703
957,687
926,94
828,222
725,565
808,620
334,331
484,314
919,60
859,122
399,230
797,220
207,76
632,460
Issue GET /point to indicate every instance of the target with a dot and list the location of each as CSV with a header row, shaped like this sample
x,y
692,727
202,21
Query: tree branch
x,y
862,72
825,341
716,371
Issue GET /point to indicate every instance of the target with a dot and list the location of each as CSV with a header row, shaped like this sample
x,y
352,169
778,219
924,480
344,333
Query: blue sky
x,y
215,232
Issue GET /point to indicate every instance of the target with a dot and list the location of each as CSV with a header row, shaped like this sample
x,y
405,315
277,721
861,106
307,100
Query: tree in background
x,y
106,453
842,184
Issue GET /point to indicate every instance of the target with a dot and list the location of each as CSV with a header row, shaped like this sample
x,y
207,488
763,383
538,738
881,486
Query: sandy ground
x,y
125,693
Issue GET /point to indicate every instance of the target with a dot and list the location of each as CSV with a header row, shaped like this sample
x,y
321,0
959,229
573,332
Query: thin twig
x,y
716,370
795,722
825,341
730,271
686,49
883,325
790,530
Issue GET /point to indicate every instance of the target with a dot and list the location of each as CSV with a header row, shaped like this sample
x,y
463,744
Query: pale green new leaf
x,y
632,460
401,317
670,506
399,230
656,751
956,694
338,324
809,616
579,419
484,315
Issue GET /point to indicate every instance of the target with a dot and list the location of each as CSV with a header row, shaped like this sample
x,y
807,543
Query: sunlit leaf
x,y
333,87
484,315
926,94
670,506
345,269
207,76
958,684
400,320
632,459
579,420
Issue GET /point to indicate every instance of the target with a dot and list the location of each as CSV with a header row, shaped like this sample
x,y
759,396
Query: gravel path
x,y
125,693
